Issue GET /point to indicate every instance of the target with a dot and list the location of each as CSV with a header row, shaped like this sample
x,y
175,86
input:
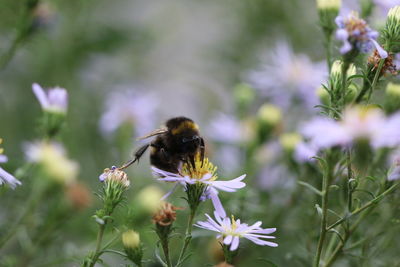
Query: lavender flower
x,y
128,107
204,172
357,124
55,100
5,177
285,77
232,230
357,35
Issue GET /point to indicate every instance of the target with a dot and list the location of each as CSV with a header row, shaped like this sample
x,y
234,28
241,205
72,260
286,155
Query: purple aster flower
x,y
357,123
232,230
355,33
5,177
385,5
129,107
226,129
54,100
202,173
286,77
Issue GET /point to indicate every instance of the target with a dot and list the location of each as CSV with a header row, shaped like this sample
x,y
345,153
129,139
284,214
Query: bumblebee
x,y
178,142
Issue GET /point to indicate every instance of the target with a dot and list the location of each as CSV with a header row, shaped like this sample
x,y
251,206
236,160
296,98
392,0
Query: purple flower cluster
x,y
355,33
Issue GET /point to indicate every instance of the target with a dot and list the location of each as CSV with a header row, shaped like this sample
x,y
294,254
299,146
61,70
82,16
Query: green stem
x,y
188,236
165,247
325,193
369,204
32,204
328,40
340,246
97,253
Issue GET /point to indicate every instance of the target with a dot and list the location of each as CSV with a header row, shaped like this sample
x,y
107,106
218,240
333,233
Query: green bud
x,y
244,96
289,141
351,93
328,11
269,117
329,4
392,97
391,32
323,95
132,246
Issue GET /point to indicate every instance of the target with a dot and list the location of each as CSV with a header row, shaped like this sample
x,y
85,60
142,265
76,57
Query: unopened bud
x,y
329,4
132,246
289,141
392,97
149,199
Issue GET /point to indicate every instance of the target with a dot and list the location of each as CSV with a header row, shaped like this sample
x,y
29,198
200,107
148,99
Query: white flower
x,y
128,107
232,230
203,173
5,177
55,100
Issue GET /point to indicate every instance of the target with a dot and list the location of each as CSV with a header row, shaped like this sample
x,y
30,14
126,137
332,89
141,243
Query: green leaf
x,y
319,210
312,188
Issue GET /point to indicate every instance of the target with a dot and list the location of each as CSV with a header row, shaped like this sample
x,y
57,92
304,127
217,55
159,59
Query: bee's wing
x,y
154,133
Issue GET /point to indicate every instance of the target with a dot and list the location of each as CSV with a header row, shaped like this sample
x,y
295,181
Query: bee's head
x,y
185,133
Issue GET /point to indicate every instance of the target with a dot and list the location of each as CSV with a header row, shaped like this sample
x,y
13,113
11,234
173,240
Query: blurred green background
x,y
186,56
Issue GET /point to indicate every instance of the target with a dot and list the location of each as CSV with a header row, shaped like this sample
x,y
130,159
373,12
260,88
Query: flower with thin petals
x,y
137,110
232,230
355,34
5,177
54,100
203,173
356,124
287,78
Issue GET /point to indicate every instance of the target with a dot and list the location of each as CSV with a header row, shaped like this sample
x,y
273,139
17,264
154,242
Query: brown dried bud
x,y
166,215
388,66
78,195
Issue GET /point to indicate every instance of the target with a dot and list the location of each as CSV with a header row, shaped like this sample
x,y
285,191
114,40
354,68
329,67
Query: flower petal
x,y
40,95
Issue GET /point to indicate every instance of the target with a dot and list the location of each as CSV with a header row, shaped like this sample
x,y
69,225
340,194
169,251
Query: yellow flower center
x,y
200,168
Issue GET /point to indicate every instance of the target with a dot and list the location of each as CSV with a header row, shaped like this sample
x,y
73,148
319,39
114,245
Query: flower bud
x,y
224,264
391,33
392,97
270,114
163,220
289,141
329,4
132,246
337,69
53,161
323,95
149,199
269,117
115,183
244,96
165,215
130,239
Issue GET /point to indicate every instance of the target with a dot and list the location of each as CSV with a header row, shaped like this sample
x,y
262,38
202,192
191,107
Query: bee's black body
x,y
178,143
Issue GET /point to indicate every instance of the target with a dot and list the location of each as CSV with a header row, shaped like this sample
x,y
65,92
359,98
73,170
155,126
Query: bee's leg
x,y
202,150
138,154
